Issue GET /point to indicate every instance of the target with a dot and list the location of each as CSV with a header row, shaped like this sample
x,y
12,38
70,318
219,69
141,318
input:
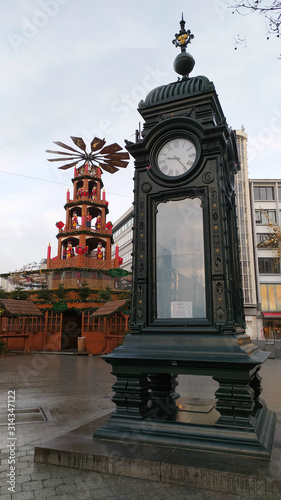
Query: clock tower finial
x,y
184,62
183,38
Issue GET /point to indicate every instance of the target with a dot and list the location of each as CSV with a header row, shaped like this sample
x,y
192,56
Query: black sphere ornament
x,y
184,64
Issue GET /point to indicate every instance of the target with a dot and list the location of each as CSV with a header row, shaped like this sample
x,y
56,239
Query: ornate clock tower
x,y
187,315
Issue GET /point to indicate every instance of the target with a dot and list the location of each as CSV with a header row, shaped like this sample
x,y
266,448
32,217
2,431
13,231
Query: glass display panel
x,y
180,268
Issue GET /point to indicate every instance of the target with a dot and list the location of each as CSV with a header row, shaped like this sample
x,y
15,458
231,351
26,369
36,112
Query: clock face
x,y
176,157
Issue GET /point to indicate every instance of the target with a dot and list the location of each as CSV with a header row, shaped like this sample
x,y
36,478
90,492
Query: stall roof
x,y
110,308
20,307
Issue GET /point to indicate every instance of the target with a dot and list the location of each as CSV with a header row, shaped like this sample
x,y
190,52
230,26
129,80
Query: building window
x,y
272,329
125,239
268,265
35,324
90,323
279,193
271,297
54,322
267,240
124,226
265,193
127,258
265,216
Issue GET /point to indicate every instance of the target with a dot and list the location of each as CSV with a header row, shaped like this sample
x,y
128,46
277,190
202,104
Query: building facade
x,y
266,216
245,233
123,235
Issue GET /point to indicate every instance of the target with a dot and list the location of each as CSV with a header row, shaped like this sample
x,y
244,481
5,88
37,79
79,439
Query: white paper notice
x,y
181,309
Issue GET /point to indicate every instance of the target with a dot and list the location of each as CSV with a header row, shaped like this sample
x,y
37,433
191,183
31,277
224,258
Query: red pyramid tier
x,y
85,239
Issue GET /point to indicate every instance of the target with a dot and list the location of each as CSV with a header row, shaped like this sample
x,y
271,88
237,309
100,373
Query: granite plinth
x,y
241,475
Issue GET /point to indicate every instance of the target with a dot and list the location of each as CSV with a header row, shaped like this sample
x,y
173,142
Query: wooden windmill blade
x,y
115,162
97,144
68,165
58,143
62,153
63,159
79,142
108,167
120,156
112,148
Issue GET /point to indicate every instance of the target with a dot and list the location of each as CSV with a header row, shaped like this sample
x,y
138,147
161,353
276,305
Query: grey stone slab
x,y
53,482
23,479
32,485
232,474
79,449
86,486
45,493
65,488
61,497
23,495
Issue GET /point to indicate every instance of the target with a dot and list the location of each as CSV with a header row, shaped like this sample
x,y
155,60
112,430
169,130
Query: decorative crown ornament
x,y
183,38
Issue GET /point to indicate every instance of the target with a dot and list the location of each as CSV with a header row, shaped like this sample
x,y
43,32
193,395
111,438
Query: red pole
x,y
49,251
116,251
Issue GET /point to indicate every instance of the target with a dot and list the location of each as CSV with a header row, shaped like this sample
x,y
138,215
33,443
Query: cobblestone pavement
x,y
74,390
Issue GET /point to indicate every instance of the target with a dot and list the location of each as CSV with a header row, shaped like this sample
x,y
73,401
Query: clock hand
x,y
173,158
178,159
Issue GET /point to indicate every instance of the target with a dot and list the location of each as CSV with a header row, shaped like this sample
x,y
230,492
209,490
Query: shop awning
x,y
272,314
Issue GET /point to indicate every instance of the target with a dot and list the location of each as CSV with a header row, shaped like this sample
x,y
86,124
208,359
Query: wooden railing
x,y
82,261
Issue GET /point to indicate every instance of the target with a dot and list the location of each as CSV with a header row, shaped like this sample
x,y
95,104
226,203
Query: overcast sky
x,y
80,68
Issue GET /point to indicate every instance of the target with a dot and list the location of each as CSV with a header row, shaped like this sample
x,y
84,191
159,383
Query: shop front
x,y
272,333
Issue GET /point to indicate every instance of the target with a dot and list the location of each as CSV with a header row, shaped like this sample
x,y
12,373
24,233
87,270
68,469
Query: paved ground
x,y
74,390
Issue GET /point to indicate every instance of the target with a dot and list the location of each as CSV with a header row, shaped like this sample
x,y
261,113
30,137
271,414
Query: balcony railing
x,y
82,261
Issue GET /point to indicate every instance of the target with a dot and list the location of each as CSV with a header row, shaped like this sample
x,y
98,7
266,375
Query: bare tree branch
x,y
270,11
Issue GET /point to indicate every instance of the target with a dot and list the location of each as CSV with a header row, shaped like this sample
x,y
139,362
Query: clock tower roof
x,y
177,90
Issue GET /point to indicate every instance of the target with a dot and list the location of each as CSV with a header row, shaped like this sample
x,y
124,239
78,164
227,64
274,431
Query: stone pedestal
x,y
148,408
